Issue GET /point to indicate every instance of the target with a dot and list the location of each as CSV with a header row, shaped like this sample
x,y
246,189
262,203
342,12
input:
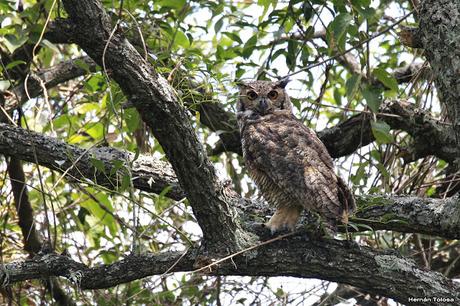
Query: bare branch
x,y
51,77
333,260
32,239
149,173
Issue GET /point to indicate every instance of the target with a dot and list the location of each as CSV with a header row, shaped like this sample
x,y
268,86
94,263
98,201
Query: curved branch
x,y
162,111
333,260
51,77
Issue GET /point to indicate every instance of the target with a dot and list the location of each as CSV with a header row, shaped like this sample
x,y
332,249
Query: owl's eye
x,y
273,94
252,95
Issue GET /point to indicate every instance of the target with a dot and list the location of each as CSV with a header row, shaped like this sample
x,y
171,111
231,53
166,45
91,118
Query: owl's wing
x,y
297,162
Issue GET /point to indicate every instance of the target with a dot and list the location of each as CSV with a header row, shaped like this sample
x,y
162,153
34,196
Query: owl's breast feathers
x,y
292,167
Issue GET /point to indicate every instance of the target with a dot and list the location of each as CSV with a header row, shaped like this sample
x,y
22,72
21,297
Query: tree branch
x,y
406,214
435,217
411,215
299,256
160,108
32,239
149,173
51,77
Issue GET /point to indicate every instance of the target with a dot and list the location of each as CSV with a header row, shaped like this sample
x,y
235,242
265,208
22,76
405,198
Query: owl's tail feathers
x,y
346,199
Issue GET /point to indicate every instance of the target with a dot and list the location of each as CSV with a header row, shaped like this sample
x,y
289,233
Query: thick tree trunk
x,y
161,109
439,32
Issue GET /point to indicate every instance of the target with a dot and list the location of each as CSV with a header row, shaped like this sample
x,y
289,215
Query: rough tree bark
x,y
160,108
379,272
439,30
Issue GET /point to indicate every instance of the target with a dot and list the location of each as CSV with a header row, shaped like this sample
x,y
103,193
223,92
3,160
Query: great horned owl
x,y
287,161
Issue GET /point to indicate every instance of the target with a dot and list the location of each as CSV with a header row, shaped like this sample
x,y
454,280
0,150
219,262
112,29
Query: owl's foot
x,y
284,218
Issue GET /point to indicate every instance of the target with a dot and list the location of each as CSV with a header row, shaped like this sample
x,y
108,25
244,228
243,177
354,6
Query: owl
x,y
286,160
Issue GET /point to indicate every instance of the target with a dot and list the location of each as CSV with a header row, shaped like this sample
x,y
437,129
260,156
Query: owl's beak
x,y
263,106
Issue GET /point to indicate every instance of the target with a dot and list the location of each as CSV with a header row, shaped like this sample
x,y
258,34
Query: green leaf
x,y
117,164
219,25
132,119
86,107
381,131
359,175
339,25
352,86
14,64
46,43
387,79
100,213
373,98
291,54
337,96
233,37
266,5
362,3
249,46
181,39
82,64
96,131
375,154
98,164
308,11
77,138
382,170
61,121
175,4
125,182
353,226
12,42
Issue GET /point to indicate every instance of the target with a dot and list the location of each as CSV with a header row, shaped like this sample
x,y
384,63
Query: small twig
x,y
351,48
208,267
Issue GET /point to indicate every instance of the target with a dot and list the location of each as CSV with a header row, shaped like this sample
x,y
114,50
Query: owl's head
x,y
260,98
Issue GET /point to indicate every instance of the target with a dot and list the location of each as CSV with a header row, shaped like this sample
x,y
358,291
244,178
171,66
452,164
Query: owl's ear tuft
x,y
282,83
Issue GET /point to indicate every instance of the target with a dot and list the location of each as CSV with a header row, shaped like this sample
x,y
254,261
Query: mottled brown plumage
x,y
287,161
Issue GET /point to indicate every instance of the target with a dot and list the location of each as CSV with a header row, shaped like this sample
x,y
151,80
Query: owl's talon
x,y
285,218
278,230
